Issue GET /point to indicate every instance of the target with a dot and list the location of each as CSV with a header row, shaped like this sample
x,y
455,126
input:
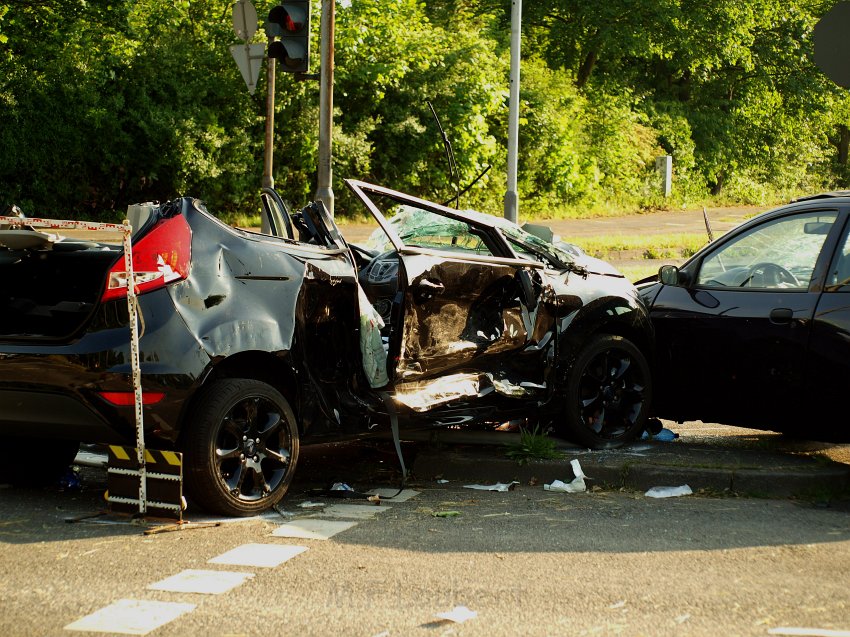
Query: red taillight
x,y
125,398
163,255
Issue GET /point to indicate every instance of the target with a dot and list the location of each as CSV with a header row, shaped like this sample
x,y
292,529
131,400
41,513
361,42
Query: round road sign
x,y
244,19
832,46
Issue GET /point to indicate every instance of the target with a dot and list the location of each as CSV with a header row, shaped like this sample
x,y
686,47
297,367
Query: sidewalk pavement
x,y
713,460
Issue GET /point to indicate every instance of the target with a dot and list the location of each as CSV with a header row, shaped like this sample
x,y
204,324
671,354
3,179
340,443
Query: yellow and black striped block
x,y
163,482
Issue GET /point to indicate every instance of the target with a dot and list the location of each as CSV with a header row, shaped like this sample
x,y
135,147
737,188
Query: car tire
x,y
609,389
240,447
35,462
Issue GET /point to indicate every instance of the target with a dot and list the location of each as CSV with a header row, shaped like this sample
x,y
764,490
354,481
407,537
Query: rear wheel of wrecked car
x,y
608,393
241,447
35,462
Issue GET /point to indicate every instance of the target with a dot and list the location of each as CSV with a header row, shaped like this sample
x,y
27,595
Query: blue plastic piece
x,y
665,435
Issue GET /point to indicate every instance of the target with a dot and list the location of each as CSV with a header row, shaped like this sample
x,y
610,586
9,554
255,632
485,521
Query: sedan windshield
x,y
424,228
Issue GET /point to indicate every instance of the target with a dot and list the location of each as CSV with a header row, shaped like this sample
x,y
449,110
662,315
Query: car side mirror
x,y
671,275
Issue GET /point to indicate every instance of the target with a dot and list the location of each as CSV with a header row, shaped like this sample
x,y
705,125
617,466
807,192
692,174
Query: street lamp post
x,y
511,196
325,191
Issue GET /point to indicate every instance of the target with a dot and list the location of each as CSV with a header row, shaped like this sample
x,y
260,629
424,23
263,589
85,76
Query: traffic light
x,y
290,21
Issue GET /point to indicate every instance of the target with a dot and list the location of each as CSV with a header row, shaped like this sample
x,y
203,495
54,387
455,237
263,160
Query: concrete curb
x,y
757,474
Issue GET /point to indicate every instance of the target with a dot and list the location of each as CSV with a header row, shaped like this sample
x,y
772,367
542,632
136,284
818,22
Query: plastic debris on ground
x,y
70,480
442,481
446,514
341,486
499,486
576,485
311,505
665,435
458,614
668,492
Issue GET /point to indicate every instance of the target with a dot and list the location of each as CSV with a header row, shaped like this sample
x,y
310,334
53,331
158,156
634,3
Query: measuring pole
x,y
511,196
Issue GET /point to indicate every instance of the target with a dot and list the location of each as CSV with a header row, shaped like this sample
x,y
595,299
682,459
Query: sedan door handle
x,y
781,315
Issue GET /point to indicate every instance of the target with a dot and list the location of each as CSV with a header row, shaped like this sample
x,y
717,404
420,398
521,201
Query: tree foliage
x,y
108,102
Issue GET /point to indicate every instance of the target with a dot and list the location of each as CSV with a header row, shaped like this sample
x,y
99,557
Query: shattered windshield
x,y
528,245
427,229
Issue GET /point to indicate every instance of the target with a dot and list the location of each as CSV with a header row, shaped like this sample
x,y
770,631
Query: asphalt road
x,y
527,561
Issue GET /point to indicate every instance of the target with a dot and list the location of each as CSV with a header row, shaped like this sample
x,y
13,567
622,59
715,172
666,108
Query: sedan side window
x,y
780,253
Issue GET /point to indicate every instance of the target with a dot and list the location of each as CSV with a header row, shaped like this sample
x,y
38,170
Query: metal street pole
x,y
511,196
325,191
268,154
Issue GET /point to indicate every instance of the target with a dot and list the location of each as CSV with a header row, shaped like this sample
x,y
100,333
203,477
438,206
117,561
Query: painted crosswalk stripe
x,y
199,581
351,511
259,555
389,492
130,617
312,529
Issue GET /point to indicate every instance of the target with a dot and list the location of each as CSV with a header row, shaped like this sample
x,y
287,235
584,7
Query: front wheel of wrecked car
x,y
240,448
608,393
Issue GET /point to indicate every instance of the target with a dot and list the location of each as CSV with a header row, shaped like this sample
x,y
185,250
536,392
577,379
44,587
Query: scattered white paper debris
x,y
442,481
311,505
577,470
668,492
576,485
620,604
492,487
809,632
458,614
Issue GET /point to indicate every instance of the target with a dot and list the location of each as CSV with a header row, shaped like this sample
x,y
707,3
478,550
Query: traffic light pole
x,y
325,191
268,157
268,151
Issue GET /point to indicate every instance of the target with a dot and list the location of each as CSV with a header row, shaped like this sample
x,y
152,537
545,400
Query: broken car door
x,y
465,311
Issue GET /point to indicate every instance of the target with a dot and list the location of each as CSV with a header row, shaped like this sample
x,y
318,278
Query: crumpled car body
x,y
252,342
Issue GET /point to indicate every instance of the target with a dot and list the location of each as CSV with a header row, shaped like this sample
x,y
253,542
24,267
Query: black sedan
x,y
754,329
252,341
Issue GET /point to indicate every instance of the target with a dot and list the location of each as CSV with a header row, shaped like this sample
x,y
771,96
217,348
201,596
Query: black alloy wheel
x,y
608,393
241,447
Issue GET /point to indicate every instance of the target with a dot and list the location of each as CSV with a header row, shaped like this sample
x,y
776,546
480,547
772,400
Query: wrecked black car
x,y
754,329
252,342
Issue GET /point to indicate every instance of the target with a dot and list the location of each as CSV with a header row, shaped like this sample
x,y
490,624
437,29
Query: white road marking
x,y
352,511
313,529
198,581
130,617
389,492
260,555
